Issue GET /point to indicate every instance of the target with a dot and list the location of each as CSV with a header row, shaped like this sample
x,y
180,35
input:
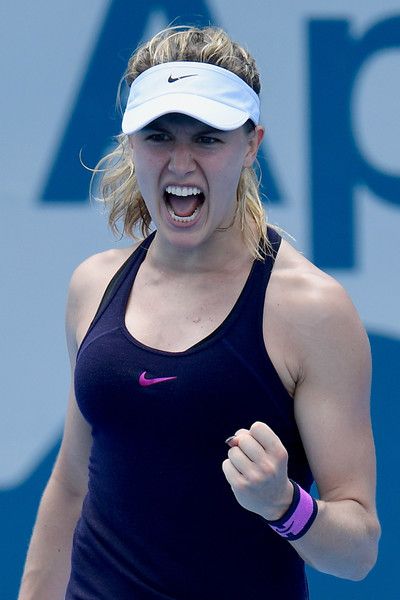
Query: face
x,y
188,175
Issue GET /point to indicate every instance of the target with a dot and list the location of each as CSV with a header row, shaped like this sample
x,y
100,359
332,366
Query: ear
x,y
255,139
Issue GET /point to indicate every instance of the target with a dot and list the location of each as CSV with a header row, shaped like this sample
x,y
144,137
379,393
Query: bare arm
x,y
331,397
48,562
47,566
333,416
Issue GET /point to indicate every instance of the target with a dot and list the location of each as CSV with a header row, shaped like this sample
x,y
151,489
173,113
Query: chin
x,y
185,240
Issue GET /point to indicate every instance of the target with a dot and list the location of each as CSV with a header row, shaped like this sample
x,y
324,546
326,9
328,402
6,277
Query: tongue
x,y
184,206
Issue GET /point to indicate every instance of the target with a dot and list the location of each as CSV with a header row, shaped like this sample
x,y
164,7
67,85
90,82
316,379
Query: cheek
x,y
147,169
227,175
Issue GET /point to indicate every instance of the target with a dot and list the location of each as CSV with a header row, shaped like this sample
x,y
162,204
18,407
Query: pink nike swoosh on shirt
x,y
146,382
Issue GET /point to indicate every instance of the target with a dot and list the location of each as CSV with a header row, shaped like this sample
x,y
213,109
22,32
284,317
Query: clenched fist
x,y
256,469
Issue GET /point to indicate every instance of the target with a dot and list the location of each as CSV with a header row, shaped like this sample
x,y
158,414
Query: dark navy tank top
x,y
160,521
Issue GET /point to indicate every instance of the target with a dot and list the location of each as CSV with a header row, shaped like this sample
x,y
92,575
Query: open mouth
x,y
183,203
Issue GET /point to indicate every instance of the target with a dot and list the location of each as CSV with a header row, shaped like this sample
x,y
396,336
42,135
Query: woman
x,y
211,328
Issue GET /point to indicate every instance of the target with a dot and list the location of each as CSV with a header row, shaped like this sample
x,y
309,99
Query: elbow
x,y
359,559
368,556
361,570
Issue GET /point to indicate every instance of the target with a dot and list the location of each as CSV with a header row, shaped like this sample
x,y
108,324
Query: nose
x,y
181,161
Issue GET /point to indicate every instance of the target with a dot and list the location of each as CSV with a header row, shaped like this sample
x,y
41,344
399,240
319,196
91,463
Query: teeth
x,y
182,219
182,191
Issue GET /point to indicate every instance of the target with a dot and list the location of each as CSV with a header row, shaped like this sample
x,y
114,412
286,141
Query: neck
x,y
225,251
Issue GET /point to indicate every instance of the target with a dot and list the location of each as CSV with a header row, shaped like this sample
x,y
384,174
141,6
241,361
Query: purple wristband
x,y
299,517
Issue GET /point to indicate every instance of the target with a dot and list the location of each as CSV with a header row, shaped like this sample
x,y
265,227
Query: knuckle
x,y
269,469
274,471
265,466
257,427
256,477
241,486
233,451
281,454
241,432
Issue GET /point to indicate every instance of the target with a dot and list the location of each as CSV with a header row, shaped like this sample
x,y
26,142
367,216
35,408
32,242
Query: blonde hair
x,y
118,184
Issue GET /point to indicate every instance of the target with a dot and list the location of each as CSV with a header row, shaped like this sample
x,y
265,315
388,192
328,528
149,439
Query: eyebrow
x,y
154,126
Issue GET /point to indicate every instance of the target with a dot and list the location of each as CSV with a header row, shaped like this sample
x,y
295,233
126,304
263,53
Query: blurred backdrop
x,y
331,176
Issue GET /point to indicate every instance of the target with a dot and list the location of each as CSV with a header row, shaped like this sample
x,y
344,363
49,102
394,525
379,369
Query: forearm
x,y
343,540
47,566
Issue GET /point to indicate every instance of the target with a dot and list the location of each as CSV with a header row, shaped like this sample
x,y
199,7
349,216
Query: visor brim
x,y
213,113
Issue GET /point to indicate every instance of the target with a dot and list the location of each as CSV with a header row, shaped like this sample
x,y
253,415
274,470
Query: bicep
x,y
333,411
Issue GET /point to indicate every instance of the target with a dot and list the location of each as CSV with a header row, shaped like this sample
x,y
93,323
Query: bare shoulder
x,y
87,286
306,290
311,314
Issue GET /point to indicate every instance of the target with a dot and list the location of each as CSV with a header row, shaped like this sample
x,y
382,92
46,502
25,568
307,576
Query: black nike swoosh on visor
x,y
173,79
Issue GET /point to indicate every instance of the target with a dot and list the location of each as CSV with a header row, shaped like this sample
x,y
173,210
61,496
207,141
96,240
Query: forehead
x,y
174,120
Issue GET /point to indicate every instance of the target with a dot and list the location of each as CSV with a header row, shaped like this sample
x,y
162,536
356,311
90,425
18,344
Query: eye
x,y
208,140
158,137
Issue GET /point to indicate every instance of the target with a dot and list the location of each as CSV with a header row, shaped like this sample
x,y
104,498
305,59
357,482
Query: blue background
x,y
335,167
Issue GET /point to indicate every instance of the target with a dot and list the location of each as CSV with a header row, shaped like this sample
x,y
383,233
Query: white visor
x,y
205,92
